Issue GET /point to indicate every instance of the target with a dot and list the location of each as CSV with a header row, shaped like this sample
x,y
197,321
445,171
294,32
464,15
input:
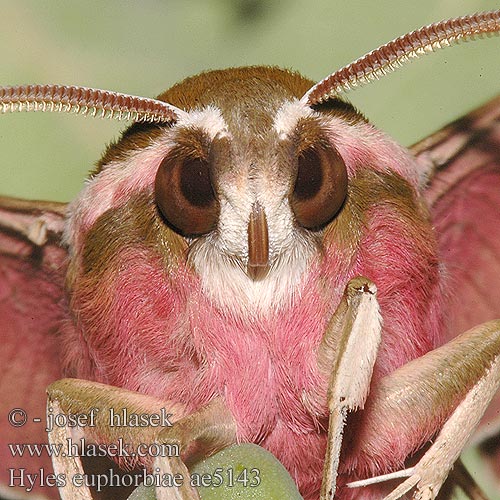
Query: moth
x,y
257,259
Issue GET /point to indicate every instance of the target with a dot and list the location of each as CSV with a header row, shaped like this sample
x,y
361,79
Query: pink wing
x,y
464,195
32,269
462,162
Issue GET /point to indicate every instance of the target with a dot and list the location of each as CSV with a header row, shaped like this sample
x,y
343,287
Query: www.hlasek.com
x,y
23,478
81,448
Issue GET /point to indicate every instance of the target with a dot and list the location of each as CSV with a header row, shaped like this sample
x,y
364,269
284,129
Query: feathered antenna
x,y
86,101
394,54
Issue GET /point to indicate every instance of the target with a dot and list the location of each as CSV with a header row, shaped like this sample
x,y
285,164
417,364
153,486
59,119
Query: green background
x,y
144,47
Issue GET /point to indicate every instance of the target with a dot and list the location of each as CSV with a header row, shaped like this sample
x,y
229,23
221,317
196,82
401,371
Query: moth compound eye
x,y
320,187
185,196
309,175
195,183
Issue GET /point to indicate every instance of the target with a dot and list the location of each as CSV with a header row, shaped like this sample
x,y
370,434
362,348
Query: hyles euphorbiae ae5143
x,y
258,260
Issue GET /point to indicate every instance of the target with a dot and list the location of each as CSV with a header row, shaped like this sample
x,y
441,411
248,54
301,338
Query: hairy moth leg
x,y
94,401
66,466
80,397
209,430
452,384
352,339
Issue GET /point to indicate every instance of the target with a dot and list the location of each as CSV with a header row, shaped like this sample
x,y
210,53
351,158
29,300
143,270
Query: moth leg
x,y
204,432
352,339
69,466
90,404
99,404
453,384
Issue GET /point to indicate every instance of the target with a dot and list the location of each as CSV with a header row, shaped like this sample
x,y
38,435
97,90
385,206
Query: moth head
x,y
251,175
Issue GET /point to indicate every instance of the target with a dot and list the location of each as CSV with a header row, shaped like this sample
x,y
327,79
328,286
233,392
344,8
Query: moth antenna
x,y
86,101
394,54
